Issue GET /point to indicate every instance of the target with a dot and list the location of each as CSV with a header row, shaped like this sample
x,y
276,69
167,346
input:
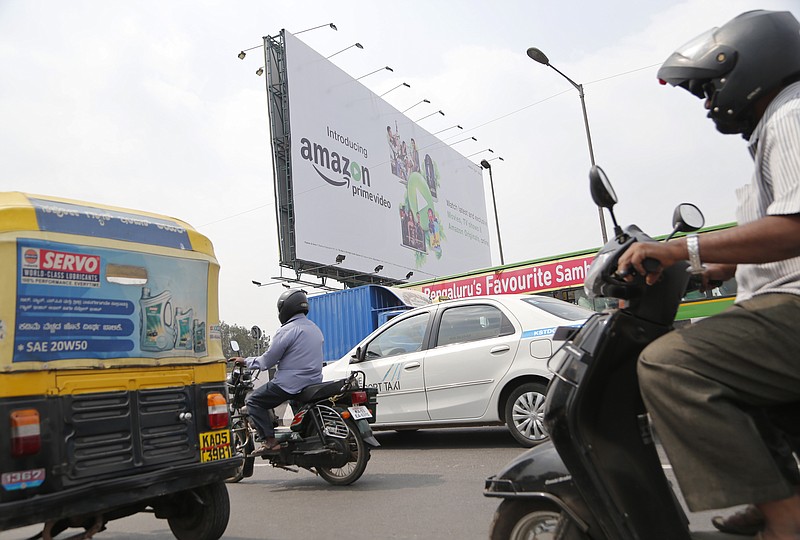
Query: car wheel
x,y
524,414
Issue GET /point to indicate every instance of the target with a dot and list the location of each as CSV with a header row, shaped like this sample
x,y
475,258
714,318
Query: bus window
x,y
728,288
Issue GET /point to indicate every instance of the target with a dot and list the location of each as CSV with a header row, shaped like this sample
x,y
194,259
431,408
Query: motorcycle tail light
x,y
358,397
26,438
217,411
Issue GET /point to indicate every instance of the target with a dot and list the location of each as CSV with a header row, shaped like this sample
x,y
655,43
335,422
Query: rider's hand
x,y
238,360
715,274
666,254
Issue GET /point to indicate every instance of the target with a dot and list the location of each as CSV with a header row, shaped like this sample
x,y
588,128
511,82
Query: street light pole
x,y
539,56
485,164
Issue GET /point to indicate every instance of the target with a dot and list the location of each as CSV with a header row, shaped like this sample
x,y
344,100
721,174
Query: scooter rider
x,y
699,382
296,351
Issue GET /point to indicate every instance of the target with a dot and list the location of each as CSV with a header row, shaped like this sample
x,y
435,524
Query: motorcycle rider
x,y
296,351
699,382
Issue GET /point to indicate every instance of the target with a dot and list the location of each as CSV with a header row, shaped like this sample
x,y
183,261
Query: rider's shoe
x,y
746,522
268,446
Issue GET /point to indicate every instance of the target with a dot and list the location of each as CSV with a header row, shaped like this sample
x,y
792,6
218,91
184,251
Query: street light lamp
x,y
429,115
484,150
314,28
447,129
339,260
387,68
467,139
243,52
395,88
485,164
358,45
417,103
539,56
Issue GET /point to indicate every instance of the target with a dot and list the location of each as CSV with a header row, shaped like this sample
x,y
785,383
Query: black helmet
x,y
733,66
291,303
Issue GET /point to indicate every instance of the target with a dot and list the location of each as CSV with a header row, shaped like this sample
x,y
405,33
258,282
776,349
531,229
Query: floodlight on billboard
x,y
363,179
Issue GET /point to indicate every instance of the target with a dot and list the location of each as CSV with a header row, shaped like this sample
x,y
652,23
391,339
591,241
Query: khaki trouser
x,y
699,381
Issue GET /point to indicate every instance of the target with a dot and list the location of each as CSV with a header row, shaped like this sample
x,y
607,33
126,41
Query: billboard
x,y
370,184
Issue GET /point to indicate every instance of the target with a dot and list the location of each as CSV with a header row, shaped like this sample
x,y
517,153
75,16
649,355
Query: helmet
x,y
291,303
735,65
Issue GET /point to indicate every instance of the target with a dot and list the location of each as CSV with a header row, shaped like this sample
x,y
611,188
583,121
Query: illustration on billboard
x,y
419,219
404,160
83,302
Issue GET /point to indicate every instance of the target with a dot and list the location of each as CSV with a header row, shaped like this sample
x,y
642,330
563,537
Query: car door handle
x,y
500,349
411,365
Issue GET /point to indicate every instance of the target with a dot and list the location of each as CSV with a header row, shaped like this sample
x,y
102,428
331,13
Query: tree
x,y
248,345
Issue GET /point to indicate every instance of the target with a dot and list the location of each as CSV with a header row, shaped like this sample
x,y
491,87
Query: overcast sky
x,y
145,105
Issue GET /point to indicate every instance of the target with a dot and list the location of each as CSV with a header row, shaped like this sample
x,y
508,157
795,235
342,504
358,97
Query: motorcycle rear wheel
x,y
243,442
355,466
518,519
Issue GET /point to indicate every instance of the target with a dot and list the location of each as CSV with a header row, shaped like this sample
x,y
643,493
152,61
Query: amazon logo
x,y
334,168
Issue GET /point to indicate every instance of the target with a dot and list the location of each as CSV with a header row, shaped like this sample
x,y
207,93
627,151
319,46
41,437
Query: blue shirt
x,y
296,350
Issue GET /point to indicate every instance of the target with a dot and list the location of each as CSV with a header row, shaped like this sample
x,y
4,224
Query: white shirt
x,y
773,191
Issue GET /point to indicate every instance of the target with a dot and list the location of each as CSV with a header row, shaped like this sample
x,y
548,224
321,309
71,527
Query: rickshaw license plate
x,y
215,445
359,412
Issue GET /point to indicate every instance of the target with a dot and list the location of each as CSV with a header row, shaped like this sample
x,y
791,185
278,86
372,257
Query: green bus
x,y
562,276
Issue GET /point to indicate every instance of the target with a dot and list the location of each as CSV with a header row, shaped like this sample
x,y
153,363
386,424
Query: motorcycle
x,y
329,435
600,476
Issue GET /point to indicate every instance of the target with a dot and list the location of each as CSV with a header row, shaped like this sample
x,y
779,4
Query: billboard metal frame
x,y
280,134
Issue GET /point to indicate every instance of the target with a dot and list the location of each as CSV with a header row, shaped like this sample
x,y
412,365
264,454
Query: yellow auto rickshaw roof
x,y
29,212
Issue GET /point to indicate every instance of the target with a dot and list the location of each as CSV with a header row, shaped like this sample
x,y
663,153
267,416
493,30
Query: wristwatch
x,y
693,247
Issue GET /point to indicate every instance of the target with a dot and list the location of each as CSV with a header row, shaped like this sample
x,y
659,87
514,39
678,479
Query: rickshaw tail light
x,y
217,411
358,397
26,438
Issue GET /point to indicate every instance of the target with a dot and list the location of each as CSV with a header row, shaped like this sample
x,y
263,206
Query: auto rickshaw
x,y
112,378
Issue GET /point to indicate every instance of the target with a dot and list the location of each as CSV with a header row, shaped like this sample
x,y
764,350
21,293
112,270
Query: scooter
x,y
600,476
329,435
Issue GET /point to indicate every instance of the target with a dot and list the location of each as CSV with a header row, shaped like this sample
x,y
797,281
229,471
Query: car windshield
x,y
559,308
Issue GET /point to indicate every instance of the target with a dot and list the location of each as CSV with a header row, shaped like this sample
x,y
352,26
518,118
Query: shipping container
x,y
348,316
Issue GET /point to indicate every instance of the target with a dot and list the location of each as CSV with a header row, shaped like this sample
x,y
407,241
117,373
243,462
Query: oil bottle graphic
x,y
185,325
199,336
156,317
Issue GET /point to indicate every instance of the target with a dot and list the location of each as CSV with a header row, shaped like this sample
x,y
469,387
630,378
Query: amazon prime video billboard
x,y
371,184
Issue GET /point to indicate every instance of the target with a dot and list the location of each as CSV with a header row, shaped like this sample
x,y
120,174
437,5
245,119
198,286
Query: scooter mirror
x,y
687,218
603,194
234,345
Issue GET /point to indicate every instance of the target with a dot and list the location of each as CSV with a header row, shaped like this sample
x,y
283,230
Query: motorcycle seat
x,y
315,392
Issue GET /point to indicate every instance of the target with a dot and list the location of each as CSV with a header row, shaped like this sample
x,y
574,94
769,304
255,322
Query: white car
x,y
467,362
